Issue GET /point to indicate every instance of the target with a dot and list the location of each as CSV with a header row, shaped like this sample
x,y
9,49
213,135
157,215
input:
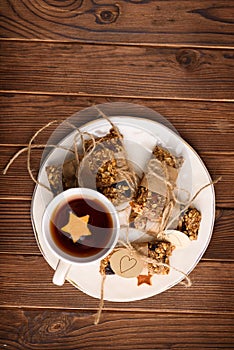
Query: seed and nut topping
x,y
107,173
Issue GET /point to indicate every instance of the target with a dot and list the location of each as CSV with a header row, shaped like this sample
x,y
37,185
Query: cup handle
x,y
61,272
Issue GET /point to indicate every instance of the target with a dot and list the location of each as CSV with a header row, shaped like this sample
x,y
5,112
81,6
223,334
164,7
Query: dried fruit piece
x,y
105,268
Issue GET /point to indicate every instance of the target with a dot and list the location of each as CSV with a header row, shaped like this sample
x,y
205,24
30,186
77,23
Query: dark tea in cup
x,y
100,225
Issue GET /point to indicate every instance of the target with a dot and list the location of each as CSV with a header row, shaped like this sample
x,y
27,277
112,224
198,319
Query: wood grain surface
x,y
26,281
203,23
70,329
117,70
206,126
25,329
59,57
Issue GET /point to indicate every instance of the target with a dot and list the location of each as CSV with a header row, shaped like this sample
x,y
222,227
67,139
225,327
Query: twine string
x,y
29,152
101,303
38,146
22,150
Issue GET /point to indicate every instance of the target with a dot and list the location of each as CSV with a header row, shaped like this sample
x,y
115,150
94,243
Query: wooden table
x,y
59,57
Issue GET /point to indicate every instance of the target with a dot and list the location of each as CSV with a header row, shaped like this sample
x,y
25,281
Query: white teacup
x,y
89,248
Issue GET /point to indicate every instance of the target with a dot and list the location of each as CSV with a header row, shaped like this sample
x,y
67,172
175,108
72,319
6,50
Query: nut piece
x,y
190,223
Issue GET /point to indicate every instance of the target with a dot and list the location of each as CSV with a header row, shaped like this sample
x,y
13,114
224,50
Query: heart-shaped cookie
x,y
126,264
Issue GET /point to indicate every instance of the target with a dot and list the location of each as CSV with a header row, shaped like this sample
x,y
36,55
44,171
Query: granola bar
x,y
160,252
108,167
55,178
189,224
153,193
112,141
62,177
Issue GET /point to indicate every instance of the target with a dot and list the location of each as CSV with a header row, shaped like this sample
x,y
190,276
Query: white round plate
x,y
140,136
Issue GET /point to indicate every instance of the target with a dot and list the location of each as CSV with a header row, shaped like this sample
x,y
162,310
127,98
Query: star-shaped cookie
x,y
77,227
144,279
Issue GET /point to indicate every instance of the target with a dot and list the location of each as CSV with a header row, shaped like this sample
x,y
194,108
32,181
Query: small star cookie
x,y
144,279
77,226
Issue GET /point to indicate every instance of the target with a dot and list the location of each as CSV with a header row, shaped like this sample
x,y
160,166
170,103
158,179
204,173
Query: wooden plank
x,y
221,165
15,218
18,183
16,230
222,233
44,329
26,281
206,126
117,70
191,22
